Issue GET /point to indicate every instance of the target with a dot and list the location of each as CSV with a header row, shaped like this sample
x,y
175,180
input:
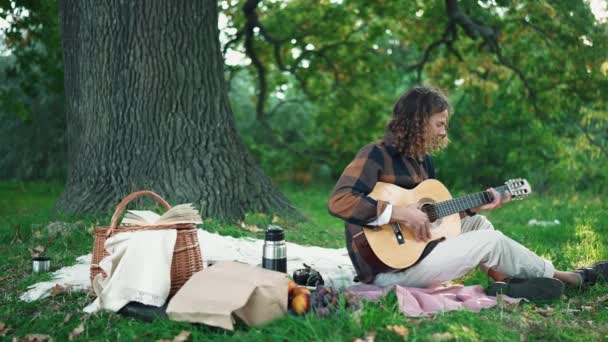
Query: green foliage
x,y
550,45
33,133
525,112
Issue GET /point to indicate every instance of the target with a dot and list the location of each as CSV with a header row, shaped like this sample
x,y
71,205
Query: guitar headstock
x,y
519,188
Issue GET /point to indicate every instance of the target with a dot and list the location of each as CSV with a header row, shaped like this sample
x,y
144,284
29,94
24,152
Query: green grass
x,y
26,211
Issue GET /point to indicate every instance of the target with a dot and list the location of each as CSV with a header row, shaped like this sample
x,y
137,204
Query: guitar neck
x,y
456,205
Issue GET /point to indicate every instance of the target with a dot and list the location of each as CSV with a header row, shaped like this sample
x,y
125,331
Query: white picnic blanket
x,y
333,264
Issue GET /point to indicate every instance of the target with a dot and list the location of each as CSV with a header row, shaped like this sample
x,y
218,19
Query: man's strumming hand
x,y
415,219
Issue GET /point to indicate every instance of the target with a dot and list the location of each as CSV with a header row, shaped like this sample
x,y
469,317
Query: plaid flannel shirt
x,y
377,162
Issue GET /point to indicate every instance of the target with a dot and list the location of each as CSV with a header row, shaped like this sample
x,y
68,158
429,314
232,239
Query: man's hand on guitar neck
x,y
496,203
415,219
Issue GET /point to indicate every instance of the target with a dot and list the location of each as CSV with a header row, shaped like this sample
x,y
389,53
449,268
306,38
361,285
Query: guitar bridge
x,y
398,234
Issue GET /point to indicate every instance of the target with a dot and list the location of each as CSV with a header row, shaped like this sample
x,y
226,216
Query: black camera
x,y
307,276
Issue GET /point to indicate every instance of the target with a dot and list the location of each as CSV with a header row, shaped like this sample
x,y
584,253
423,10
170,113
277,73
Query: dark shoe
x,y
601,268
598,272
534,289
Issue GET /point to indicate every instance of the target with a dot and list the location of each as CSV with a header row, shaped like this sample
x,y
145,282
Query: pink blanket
x,y
417,302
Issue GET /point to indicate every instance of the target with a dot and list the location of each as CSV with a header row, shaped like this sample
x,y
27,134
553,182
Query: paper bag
x,y
216,294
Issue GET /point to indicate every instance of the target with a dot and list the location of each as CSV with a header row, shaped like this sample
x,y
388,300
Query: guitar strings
x,y
431,213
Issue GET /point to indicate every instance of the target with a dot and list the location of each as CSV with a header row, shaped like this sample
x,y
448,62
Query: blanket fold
x,y
421,302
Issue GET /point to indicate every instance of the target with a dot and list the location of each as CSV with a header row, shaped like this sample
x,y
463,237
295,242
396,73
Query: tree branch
x,y
591,140
237,37
490,38
252,21
447,38
250,25
548,39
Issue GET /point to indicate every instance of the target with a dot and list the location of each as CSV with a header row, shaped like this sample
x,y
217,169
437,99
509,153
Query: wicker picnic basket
x,y
187,258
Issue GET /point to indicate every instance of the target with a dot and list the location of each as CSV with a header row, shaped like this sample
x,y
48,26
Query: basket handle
x,y
123,204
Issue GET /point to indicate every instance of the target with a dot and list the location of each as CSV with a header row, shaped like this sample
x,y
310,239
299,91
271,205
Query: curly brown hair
x,y
410,117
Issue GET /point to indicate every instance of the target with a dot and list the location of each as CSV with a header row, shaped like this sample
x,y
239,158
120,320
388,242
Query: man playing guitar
x,y
418,127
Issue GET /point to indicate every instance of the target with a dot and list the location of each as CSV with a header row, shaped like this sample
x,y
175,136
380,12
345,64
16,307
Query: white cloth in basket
x,y
138,269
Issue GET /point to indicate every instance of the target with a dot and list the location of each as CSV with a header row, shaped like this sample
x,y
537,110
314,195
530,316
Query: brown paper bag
x,y
212,296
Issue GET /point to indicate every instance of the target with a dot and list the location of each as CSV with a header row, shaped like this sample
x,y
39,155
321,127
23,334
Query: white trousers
x,y
478,245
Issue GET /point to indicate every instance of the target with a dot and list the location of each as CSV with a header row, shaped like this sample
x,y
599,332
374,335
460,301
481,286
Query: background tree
x,y
147,108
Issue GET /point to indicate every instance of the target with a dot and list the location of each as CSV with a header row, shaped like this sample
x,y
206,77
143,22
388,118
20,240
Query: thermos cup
x,y
275,251
41,264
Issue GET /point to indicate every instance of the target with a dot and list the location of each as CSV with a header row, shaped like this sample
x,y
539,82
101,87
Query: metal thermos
x,y
275,250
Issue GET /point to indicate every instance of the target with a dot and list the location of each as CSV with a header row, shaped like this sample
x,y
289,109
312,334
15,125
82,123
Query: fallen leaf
x,y
547,311
59,289
399,330
33,253
414,322
3,329
67,318
371,336
76,332
357,317
251,228
275,219
4,278
36,251
37,338
442,336
182,336
602,298
37,234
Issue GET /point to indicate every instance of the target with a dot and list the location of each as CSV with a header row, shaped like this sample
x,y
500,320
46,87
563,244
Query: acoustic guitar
x,y
393,247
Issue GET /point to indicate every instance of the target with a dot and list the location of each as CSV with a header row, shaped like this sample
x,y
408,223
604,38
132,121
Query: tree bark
x,y
147,108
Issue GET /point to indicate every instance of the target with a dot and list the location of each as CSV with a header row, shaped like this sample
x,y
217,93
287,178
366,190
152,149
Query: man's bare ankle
x,y
570,278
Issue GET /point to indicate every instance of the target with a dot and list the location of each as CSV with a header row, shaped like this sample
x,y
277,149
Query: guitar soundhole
x,y
430,211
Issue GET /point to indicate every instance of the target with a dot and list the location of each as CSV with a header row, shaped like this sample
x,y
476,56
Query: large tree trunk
x,y
147,108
